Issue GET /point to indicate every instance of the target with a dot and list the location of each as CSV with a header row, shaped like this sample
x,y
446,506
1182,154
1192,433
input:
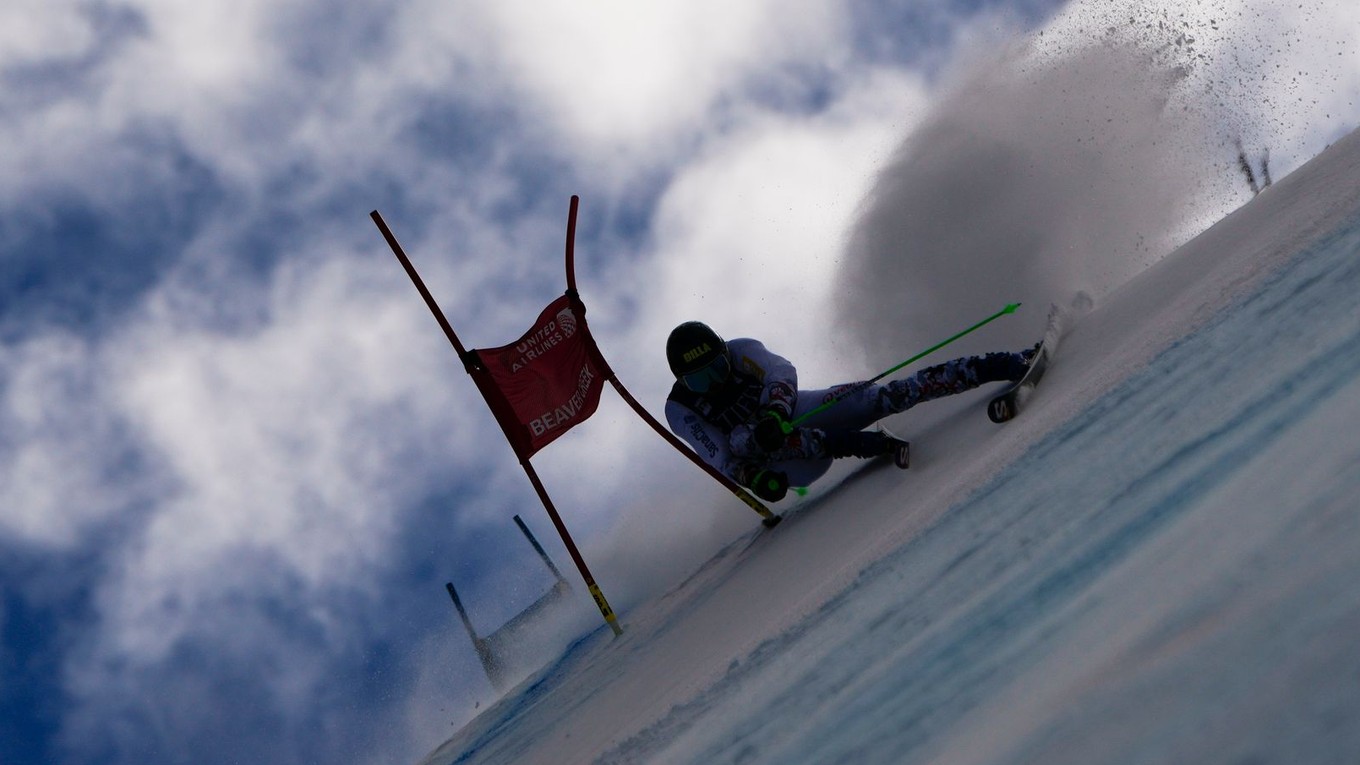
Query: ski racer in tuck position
x,y
732,400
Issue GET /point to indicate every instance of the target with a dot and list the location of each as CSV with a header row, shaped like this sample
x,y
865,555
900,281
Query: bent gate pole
x,y
472,365
769,518
495,673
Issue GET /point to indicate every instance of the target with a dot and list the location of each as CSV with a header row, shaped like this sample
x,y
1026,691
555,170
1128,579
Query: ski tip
x,y
1011,308
771,521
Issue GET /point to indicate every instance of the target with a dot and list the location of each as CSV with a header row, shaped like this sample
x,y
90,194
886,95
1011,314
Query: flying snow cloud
x,y
229,422
1069,161
1031,180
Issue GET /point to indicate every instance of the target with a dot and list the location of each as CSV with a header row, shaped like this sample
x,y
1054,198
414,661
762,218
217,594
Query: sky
x,y
238,459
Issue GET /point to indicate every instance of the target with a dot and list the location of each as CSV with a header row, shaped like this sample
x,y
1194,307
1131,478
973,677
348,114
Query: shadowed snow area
x,y
1154,563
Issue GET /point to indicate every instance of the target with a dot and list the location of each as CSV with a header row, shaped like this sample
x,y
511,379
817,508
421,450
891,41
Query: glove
x,y
769,432
770,485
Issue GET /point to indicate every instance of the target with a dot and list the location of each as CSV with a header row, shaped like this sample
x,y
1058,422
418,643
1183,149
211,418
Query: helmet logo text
x,y
694,353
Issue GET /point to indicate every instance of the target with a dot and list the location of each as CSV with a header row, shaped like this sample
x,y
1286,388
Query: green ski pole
x,y
789,426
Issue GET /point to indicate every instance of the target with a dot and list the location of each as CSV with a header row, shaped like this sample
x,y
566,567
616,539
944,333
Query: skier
x,y
732,400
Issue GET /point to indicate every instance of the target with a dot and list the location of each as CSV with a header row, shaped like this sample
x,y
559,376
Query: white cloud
x,y
195,54
293,431
298,441
34,31
623,74
62,447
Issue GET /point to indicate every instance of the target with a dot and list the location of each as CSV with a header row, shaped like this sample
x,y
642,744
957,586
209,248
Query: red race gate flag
x,y
544,383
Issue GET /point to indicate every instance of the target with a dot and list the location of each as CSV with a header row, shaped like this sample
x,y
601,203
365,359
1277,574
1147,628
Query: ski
x,y
1011,401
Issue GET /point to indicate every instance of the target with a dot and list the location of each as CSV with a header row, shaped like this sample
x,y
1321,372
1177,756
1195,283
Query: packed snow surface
x,y
1156,562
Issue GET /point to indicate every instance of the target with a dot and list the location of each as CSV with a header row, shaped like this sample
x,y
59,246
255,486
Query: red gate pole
x,y
591,586
769,518
473,367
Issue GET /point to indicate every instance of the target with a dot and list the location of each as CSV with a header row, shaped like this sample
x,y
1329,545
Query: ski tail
x,y
900,451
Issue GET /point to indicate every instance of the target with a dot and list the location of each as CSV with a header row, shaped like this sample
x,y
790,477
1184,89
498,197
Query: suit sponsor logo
x,y
751,367
700,434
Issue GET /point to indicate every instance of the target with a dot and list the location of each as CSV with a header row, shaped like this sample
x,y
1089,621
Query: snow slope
x,y
1157,562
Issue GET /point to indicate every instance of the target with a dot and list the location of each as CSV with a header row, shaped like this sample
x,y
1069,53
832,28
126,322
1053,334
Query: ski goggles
x,y
713,373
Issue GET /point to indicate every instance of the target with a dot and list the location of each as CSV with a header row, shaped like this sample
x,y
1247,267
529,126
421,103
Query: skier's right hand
x,y
770,485
769,433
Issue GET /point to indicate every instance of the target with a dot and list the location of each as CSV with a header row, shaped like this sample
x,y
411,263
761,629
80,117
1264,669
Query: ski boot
x,y
866,444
